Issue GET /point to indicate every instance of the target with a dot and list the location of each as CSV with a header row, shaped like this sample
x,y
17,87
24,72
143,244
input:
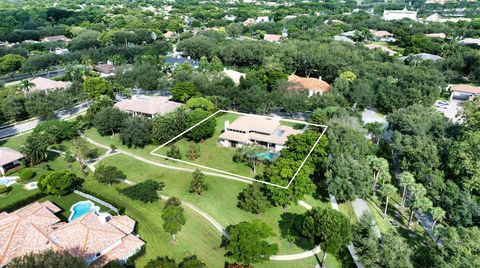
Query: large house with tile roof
x,y
256,130
147,106
96,237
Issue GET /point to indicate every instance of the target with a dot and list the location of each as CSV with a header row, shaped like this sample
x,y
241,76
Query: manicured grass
x,y
15,194
220,200
14,142
347,210
196,237
212,154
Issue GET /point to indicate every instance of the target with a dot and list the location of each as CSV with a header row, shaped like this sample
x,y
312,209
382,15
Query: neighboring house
x,y
229,17
147,106
96,237
60,51
381,48
9,158
383,36
470,42
56,38
341,38
169,34
179,60
438,18
262,19
436,35
290,17
463,91
248,22
422,56
44,84
399,14
107,69
234,75
314,86
441,2
256,130
273,38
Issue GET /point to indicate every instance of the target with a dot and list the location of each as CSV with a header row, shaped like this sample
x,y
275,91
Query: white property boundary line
x,y
233,174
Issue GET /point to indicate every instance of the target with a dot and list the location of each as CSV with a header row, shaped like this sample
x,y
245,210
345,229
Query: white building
x,y
256,130
262,19
399,14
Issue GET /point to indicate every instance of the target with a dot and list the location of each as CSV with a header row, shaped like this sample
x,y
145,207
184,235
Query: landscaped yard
x,y
198,236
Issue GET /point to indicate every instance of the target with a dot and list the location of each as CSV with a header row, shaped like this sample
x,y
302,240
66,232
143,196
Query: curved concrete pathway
x,y
208,217
139,158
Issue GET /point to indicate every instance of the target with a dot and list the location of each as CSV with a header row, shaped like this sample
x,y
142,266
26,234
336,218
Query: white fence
x,y
99,201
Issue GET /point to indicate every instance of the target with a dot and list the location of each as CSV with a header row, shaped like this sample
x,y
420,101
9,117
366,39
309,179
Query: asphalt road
x,y
27,126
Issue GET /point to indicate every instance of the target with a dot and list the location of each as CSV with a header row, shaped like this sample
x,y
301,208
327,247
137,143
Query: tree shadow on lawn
x,y
289,225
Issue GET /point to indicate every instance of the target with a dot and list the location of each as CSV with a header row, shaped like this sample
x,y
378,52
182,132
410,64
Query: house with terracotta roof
x,y
436,35
256,130
381,48
314,86
463,91
147,106
95,237
106,69
44,84
272,38
383,36
9,158
234,75
56,38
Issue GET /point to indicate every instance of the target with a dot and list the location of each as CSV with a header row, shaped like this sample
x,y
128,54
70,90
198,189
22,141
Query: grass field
x,y
226,211
197,236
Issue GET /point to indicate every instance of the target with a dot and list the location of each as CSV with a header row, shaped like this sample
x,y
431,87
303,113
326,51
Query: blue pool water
x,y
81,208
6,181
268,156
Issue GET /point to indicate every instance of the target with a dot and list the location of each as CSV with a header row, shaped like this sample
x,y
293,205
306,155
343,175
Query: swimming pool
x,y
7,181
270,156
81,208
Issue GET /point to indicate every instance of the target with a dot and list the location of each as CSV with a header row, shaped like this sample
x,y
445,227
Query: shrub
x,y
145,191
3,189
174,152
27,174
59,182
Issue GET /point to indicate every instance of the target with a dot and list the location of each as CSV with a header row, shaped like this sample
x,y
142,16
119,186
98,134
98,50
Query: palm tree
x,y
387,190
25,86
406,180
423,204
418,192
379,166
437,215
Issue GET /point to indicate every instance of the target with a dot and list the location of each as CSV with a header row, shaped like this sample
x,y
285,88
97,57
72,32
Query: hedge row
x,y
23,202
121,209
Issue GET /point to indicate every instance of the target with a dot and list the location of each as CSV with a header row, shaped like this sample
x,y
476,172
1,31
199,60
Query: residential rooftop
x,y
146,105
44,84
36,228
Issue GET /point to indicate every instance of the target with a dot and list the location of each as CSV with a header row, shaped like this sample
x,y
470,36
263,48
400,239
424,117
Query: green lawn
x,y
14,142
197,236
16,193
226,211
